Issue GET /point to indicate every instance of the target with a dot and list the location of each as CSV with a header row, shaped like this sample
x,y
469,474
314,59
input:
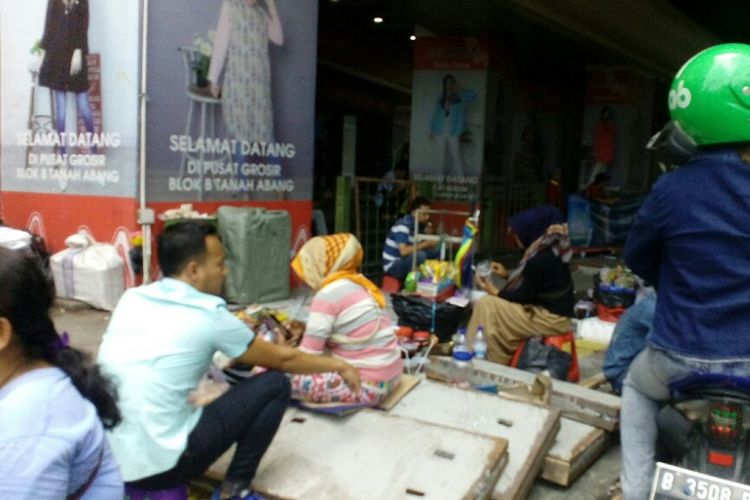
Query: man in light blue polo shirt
x,y
159,343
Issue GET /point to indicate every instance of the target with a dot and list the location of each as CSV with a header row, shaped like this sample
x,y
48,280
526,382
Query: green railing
x,y
368,207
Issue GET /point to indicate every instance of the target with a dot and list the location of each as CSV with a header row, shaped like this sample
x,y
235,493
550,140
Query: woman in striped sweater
x,y
346,321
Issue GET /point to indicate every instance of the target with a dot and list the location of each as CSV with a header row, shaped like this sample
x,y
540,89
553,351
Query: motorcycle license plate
x,y
672,482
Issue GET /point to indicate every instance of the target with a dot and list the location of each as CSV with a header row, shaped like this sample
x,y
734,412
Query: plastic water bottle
x,y
480,344
456,336
461,364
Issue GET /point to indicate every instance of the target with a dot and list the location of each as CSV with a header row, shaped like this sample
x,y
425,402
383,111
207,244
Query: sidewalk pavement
x,y
86,327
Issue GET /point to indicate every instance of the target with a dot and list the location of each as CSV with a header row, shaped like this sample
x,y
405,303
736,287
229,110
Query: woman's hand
x,y
76,62
280,338
499,269
296,329
350,376
215,89
487,285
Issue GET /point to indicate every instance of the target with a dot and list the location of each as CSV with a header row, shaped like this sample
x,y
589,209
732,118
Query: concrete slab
x,y
530,430
372,455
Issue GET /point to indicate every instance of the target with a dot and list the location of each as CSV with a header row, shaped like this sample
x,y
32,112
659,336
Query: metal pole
x,y
143,97
416,240
357,213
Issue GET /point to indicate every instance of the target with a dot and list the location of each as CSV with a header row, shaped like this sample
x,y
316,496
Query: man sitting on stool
x,y
399,244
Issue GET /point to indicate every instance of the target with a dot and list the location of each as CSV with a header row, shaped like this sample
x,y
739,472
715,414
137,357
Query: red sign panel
x,y
609,85
451,53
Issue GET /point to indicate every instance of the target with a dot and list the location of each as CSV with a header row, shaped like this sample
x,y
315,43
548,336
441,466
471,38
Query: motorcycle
x,y
705,429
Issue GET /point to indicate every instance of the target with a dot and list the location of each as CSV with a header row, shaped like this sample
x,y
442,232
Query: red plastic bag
x,y
610,314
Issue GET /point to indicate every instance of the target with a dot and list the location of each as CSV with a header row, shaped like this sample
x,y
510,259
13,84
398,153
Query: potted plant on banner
x,y
204,46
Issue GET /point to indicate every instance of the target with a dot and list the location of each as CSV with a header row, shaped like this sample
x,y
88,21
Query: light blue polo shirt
x,y
159,343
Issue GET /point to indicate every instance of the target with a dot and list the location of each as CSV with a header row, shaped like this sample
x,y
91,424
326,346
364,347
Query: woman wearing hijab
x,y
537,298
346,321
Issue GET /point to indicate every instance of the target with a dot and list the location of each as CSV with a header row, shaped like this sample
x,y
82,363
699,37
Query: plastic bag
x,y
615,288
537,357
89,271
611,295
417,312
15,239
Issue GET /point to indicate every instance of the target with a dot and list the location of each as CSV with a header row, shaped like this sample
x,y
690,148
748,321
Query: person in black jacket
x,y
537,298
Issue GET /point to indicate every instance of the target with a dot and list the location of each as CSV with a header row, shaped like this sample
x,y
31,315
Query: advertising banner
x,y
231,100
616,127
68,94
448,114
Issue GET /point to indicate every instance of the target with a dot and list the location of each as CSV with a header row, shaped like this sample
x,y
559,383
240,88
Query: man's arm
x,y
291,360
400,234
406,249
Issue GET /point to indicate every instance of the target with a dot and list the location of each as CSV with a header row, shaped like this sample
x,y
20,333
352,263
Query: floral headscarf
x,y
538,229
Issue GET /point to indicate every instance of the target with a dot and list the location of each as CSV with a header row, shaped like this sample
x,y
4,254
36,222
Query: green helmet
x,y
710,95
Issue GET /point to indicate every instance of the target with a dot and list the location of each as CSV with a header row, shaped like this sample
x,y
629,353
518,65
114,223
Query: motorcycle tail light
x,y
720,459
724,422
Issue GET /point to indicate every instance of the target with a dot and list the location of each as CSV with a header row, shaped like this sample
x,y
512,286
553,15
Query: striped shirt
x,y
345,320
402,232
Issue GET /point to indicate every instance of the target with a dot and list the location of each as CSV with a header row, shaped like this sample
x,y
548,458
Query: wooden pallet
x,y
576,447
372,455
529,429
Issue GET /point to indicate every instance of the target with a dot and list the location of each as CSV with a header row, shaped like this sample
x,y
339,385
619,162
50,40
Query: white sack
x,y
14,238
88,271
